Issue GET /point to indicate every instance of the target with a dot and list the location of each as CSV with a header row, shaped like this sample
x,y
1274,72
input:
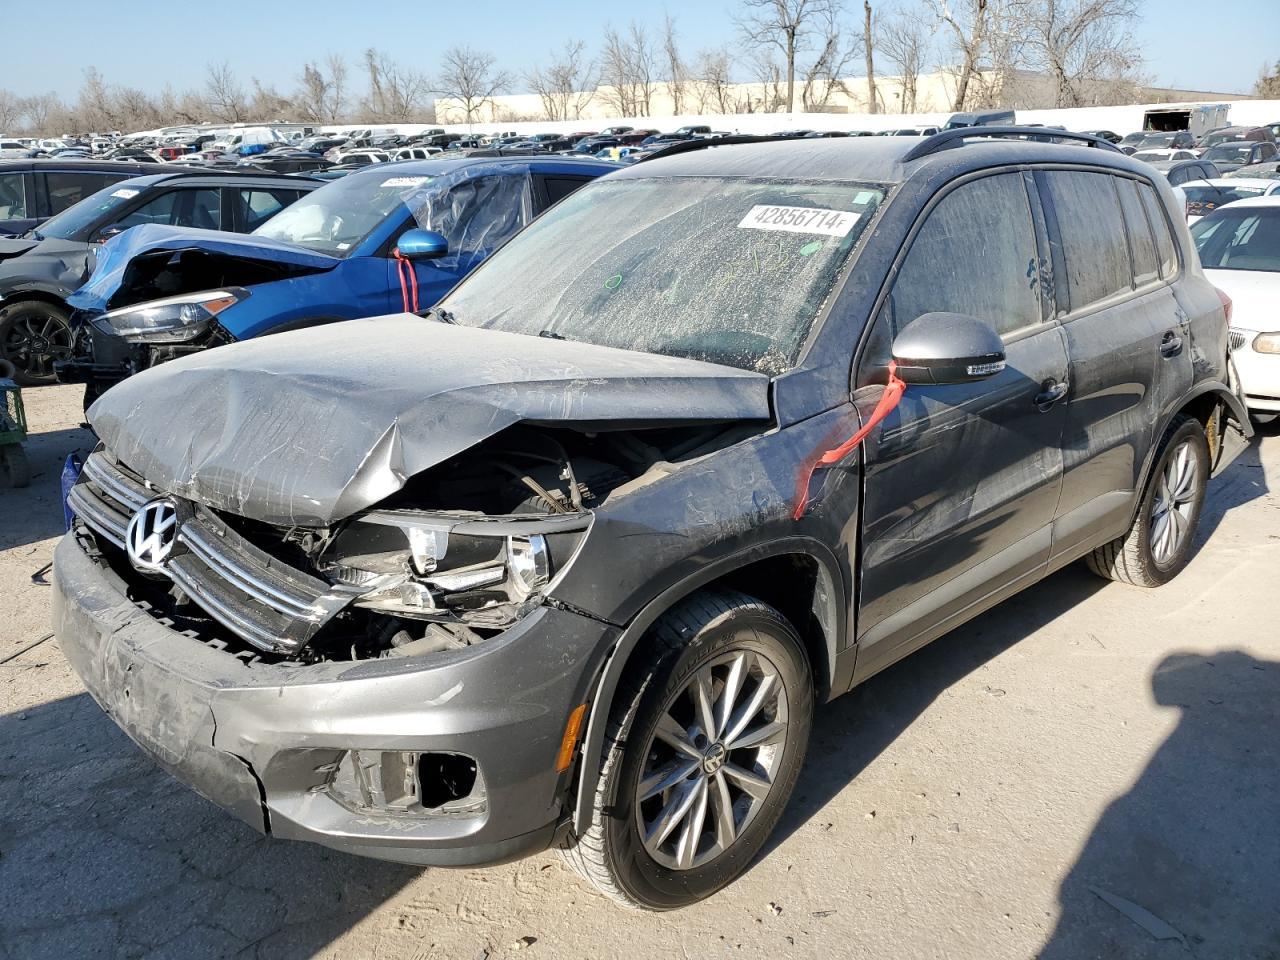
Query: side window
x,y
1092,230
257,206
1268,151
975,254
13,196
200,208
480,214
558,188
1141,244
1164,239
161,209
67,189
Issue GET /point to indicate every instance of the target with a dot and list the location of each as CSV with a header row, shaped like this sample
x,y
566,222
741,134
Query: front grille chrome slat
x,y
269,604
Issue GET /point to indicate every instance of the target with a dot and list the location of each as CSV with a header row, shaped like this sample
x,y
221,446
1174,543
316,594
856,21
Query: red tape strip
x,y
893,392
409,286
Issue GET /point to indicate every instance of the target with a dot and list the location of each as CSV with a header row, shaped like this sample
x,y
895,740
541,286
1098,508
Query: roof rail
x,y
946,139
701,143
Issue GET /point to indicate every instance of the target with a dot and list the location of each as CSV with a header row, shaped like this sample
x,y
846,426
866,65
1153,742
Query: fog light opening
x,y
444,778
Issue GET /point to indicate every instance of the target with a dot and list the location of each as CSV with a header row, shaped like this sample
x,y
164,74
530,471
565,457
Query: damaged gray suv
x,y
569,560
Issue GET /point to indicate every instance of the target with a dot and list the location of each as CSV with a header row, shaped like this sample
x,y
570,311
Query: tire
x,y
15,468
712,636
1152,553
33,334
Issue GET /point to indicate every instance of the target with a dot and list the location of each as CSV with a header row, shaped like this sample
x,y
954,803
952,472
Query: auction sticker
x,y
404,181
829,223
125,193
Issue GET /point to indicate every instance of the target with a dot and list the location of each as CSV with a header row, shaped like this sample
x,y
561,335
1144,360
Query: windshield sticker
x,y
125,193
810,248
405,181
864,197
831,223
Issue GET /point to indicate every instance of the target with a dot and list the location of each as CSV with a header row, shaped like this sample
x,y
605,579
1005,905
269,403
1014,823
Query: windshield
x,y
1157,140
729,271
1229,152
1206,198
338,217
78,218
1240,238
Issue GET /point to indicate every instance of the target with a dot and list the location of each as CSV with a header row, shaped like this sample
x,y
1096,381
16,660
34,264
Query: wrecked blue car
x,y
393,237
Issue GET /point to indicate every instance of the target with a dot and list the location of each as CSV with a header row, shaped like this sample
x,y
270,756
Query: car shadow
x,y
34,513
1193,844
104,854
1242,481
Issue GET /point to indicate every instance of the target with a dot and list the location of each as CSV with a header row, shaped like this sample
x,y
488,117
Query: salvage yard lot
x,y
1082,737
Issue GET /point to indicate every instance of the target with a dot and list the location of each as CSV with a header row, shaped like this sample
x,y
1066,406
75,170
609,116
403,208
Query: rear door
x,y
1128,343
963,480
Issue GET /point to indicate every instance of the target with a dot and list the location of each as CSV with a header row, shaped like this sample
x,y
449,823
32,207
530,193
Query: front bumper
x,y
1259,372
262,740
99,360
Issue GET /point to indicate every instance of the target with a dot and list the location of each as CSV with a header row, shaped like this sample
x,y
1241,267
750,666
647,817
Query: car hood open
x,y
311,426
120,253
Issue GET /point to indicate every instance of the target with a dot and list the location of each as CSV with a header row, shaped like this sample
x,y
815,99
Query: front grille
x,y
1238,339
269,604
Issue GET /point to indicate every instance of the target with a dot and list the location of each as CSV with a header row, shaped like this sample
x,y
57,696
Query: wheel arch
x,y
770,573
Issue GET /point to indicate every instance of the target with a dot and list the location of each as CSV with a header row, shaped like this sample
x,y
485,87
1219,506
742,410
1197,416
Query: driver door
x,y
962,481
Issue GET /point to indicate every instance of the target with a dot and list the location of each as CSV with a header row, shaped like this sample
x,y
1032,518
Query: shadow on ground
x,y
102,854
34,513
1195,841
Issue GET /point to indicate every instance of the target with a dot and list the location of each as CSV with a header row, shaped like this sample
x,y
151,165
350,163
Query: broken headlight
x,y
172,320
435,567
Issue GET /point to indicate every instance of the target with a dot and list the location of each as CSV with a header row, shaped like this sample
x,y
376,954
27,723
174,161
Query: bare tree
x,y
1268,84
38,110
468,76
627,71
567,85
904,39
1080,43
772,80
786,25
968,22
836,54
395,93
227,99
12,109
867,39
677,72
710,83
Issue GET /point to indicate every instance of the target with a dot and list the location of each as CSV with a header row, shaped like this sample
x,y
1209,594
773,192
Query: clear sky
x,y
1217,46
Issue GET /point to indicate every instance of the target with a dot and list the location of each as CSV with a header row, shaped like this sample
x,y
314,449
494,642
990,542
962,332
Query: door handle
x,y
1170,344
1050,393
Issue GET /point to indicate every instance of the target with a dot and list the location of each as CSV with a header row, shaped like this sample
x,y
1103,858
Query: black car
x,y
1178,172
572,558
1232,155
31,191
40,270
1167,140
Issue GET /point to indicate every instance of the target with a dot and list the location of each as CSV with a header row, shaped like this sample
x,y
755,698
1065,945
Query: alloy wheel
x,y
712,760
1174,504
33,341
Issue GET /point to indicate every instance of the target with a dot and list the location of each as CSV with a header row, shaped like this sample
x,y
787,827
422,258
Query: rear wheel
x,y
705,742
1159,543
34,334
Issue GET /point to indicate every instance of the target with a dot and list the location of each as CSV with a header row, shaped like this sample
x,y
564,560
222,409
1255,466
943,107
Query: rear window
x,y
1243,238
1093,237
13,196
1160,226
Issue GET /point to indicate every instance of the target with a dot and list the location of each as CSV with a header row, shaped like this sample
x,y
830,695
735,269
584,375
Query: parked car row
x,y
571,558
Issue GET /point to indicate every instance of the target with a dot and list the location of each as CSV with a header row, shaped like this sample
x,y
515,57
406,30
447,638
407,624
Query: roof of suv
x,y
438,166
868,159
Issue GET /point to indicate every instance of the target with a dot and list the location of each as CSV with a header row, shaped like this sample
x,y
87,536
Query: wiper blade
x,y
444,316
551,335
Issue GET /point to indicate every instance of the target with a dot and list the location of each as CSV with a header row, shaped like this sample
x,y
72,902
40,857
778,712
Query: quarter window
x,y
1093,240
13,196
1164,239
1141,244
976,255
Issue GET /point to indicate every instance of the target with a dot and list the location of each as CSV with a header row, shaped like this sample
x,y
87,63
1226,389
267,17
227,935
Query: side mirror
x,y
418,244
947,348
107,232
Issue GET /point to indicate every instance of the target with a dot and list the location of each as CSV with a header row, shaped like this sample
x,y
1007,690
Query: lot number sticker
x,y
829,223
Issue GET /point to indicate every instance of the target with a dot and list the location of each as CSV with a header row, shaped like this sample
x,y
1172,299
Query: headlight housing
x,y
171,320
1267,343
436,567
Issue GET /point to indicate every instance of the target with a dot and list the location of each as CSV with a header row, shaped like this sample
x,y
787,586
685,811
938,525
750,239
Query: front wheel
x,y
705,742
1159,543
33,335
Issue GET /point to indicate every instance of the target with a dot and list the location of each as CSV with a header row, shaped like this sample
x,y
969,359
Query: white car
x,y
13,150
1158,155
1239,248
415,153
1205,196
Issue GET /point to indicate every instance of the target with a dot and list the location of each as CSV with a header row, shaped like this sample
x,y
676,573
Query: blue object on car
x,y
67,479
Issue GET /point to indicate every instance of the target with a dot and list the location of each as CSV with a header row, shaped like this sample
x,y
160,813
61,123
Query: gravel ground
x,y
980,800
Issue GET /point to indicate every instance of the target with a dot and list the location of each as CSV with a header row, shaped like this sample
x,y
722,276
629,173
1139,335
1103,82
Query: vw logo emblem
x,y
150,534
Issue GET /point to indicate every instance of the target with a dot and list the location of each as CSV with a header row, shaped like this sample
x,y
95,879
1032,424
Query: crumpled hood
x,y
147,239
311,426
